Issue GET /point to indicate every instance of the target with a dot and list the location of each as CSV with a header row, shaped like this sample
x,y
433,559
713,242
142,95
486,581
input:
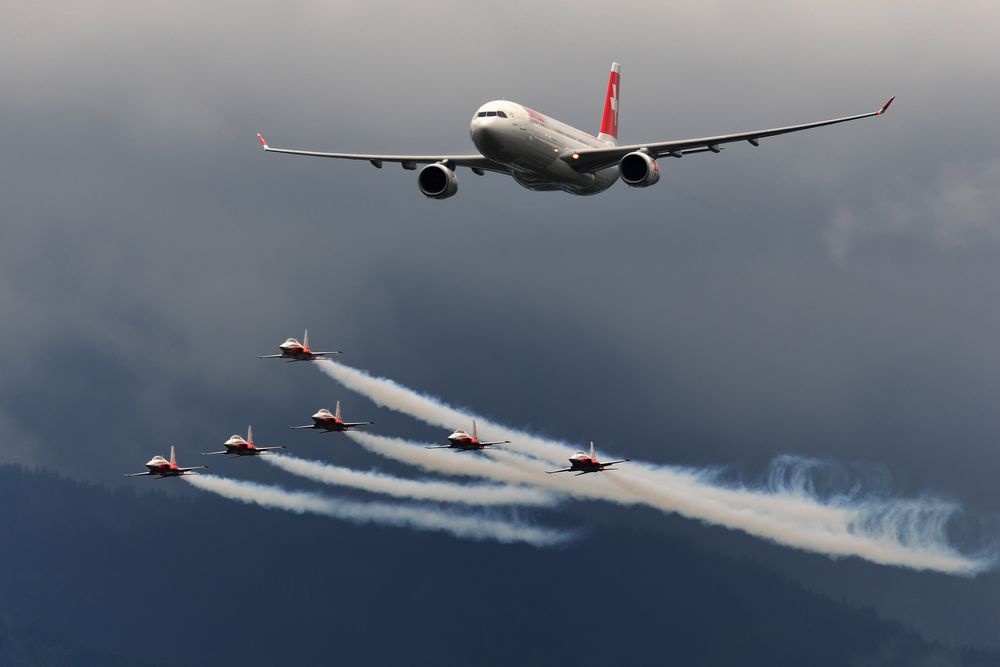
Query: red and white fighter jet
x,y
293,350
582,464
463,442
237,445
324,420
159,467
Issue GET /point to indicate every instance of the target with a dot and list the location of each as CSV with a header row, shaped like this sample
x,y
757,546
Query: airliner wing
x,y
474,162
594,159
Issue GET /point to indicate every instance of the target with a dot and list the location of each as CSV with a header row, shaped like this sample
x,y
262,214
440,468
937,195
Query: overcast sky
x,y
829,294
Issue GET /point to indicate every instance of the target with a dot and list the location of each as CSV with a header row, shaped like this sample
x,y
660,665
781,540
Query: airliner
x,y
543,154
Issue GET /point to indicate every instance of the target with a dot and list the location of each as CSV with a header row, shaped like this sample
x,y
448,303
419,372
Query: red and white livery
x,y
541,153
461,441
332,422
237,445
581,463
160,467
293,350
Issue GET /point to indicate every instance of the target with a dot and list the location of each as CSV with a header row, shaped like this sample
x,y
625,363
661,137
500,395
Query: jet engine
x,y
437,181
639,170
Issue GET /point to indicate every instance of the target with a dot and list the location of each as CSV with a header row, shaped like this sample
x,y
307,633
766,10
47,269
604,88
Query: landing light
x,y
576,156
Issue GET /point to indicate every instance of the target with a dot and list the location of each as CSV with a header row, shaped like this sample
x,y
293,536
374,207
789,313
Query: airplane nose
x,y
485,136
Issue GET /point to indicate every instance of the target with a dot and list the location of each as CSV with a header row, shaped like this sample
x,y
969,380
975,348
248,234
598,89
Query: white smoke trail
x,y
903,532
511,470
433,491
389,394
417,517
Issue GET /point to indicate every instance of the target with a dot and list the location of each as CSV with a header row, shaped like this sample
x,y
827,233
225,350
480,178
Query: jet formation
x,y
237,445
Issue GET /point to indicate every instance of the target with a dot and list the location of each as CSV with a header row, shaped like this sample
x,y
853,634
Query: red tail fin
x,y
609,121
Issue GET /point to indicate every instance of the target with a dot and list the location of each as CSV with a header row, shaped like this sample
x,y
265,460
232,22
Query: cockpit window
x,y
501,114
481,114
491,113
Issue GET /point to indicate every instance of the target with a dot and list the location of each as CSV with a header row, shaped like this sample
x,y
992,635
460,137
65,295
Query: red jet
x,y
159,467
324,420
293,350
583,464
463,442
237,445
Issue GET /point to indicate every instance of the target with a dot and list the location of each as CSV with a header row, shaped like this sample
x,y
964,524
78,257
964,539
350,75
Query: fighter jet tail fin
x,y
474,433
305,339
337,413
173,456
250,435
593,451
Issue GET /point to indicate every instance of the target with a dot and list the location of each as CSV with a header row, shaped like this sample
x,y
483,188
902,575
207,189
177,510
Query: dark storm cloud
x,y
828,294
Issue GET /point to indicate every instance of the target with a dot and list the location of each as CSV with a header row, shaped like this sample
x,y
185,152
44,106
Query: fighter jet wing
x,y
595,159
323,354
183,470
550,472
437,447
269,449
137,474
305,426
497,442
214,453
611,463
353,424
270,356
477,163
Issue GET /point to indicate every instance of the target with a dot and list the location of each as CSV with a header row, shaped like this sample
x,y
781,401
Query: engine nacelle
x,y
639,170
437,181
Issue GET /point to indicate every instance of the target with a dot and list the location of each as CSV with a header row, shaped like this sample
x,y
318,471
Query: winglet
x,y
885,106
263,144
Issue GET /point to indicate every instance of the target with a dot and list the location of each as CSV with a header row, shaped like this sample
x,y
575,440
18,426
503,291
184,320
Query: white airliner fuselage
x,y
534,145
